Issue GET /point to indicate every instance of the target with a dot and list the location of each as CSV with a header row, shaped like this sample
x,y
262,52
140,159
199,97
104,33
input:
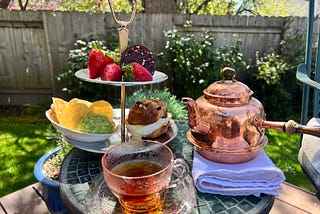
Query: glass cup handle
x,y
180,171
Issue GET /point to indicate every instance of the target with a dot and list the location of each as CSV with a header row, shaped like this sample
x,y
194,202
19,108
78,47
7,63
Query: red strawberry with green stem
x,y
111,72
136,72
97,60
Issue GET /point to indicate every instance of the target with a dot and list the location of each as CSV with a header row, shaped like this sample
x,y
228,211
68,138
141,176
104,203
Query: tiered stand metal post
x,y
123,44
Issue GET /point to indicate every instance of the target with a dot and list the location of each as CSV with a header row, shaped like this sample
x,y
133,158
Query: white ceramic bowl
x,y
77,136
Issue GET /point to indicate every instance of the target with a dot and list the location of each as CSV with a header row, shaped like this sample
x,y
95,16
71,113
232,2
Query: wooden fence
x,y
34,45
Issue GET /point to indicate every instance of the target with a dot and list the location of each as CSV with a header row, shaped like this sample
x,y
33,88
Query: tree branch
x,y
202,5
23,7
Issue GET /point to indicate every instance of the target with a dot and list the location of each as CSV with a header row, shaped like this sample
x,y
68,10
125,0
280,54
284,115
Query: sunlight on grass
x,y
22,143
283,150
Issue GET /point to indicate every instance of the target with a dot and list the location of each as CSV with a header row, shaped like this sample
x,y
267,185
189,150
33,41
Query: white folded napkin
x,y
253,177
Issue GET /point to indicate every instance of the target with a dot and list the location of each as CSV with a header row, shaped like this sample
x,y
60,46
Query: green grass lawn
x,y
283,150
23,142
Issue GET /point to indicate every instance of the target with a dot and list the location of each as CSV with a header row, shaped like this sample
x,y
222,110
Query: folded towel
x,y
253,177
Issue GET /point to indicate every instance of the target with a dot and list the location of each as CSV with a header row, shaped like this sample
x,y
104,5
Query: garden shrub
x,y
194,62
275,83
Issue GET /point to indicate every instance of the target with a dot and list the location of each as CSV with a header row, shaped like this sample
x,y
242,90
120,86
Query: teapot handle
x,y
291,127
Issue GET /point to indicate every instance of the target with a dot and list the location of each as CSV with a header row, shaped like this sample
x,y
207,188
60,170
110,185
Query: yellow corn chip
x,y
102,107
76,100
72,114
57,106
53,116
59,101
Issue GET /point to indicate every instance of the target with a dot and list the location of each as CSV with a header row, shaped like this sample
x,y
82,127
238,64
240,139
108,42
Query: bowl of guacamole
x,y
91,128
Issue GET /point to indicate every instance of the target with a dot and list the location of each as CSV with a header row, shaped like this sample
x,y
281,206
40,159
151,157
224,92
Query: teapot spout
x,y
191,111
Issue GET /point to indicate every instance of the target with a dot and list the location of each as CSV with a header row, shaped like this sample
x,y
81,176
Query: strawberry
x,y
97,60
136,72
111,72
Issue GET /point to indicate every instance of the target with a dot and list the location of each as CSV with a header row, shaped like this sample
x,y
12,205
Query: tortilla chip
x,y
53,116
76,100
102,107
58,101
72,114
57,106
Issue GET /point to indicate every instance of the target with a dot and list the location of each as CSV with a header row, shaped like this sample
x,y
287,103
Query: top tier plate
x,y
84,75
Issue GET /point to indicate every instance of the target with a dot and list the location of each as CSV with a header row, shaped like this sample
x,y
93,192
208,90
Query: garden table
x,y
81,169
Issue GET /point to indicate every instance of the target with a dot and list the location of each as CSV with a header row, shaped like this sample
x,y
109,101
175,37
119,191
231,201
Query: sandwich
x,y
148,119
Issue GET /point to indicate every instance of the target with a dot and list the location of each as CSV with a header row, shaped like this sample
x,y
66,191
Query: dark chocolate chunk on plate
x,y
139,54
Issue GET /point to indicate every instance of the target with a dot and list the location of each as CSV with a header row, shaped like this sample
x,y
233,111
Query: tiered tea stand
x,y
123,43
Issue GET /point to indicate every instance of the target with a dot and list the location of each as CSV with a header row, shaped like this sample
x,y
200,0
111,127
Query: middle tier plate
x,y
102,146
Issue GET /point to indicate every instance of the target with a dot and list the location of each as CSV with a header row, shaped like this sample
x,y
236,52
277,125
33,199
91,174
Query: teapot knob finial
x,y
225,69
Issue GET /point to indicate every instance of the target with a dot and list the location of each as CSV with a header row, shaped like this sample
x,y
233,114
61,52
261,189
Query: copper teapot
x,y
228,124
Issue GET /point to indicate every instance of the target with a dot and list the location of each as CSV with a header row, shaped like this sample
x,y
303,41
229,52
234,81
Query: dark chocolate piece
x,y
139,54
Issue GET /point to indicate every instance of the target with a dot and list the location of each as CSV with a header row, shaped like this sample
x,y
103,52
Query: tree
x,y
271,7
156,6
23,5
196,7
236,7
212,7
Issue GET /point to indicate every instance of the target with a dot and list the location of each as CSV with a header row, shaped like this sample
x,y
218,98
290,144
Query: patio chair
x,y
309,153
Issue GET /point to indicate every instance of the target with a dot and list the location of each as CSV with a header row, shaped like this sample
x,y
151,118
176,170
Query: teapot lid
x,y
228,92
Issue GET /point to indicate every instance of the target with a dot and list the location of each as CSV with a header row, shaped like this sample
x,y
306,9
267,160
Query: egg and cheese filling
x,y
139,131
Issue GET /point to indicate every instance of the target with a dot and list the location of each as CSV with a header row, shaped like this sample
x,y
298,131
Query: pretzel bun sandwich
x,y
148,119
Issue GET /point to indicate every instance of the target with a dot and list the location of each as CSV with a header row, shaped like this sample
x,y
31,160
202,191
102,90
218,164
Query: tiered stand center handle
x,y
123,31
123,44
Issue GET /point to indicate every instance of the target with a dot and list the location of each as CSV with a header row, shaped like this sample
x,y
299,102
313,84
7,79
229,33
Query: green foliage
x,y
283,151
275,78
194,62
270,68
216,7
78,59
23,142
94,6
57,139
175,107
246,7
212,7
276,8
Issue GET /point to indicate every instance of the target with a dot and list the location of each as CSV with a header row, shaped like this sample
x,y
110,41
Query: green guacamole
x,y
95,124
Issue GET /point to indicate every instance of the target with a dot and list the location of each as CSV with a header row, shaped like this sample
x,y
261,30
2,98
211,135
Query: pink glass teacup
x,y
139,172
